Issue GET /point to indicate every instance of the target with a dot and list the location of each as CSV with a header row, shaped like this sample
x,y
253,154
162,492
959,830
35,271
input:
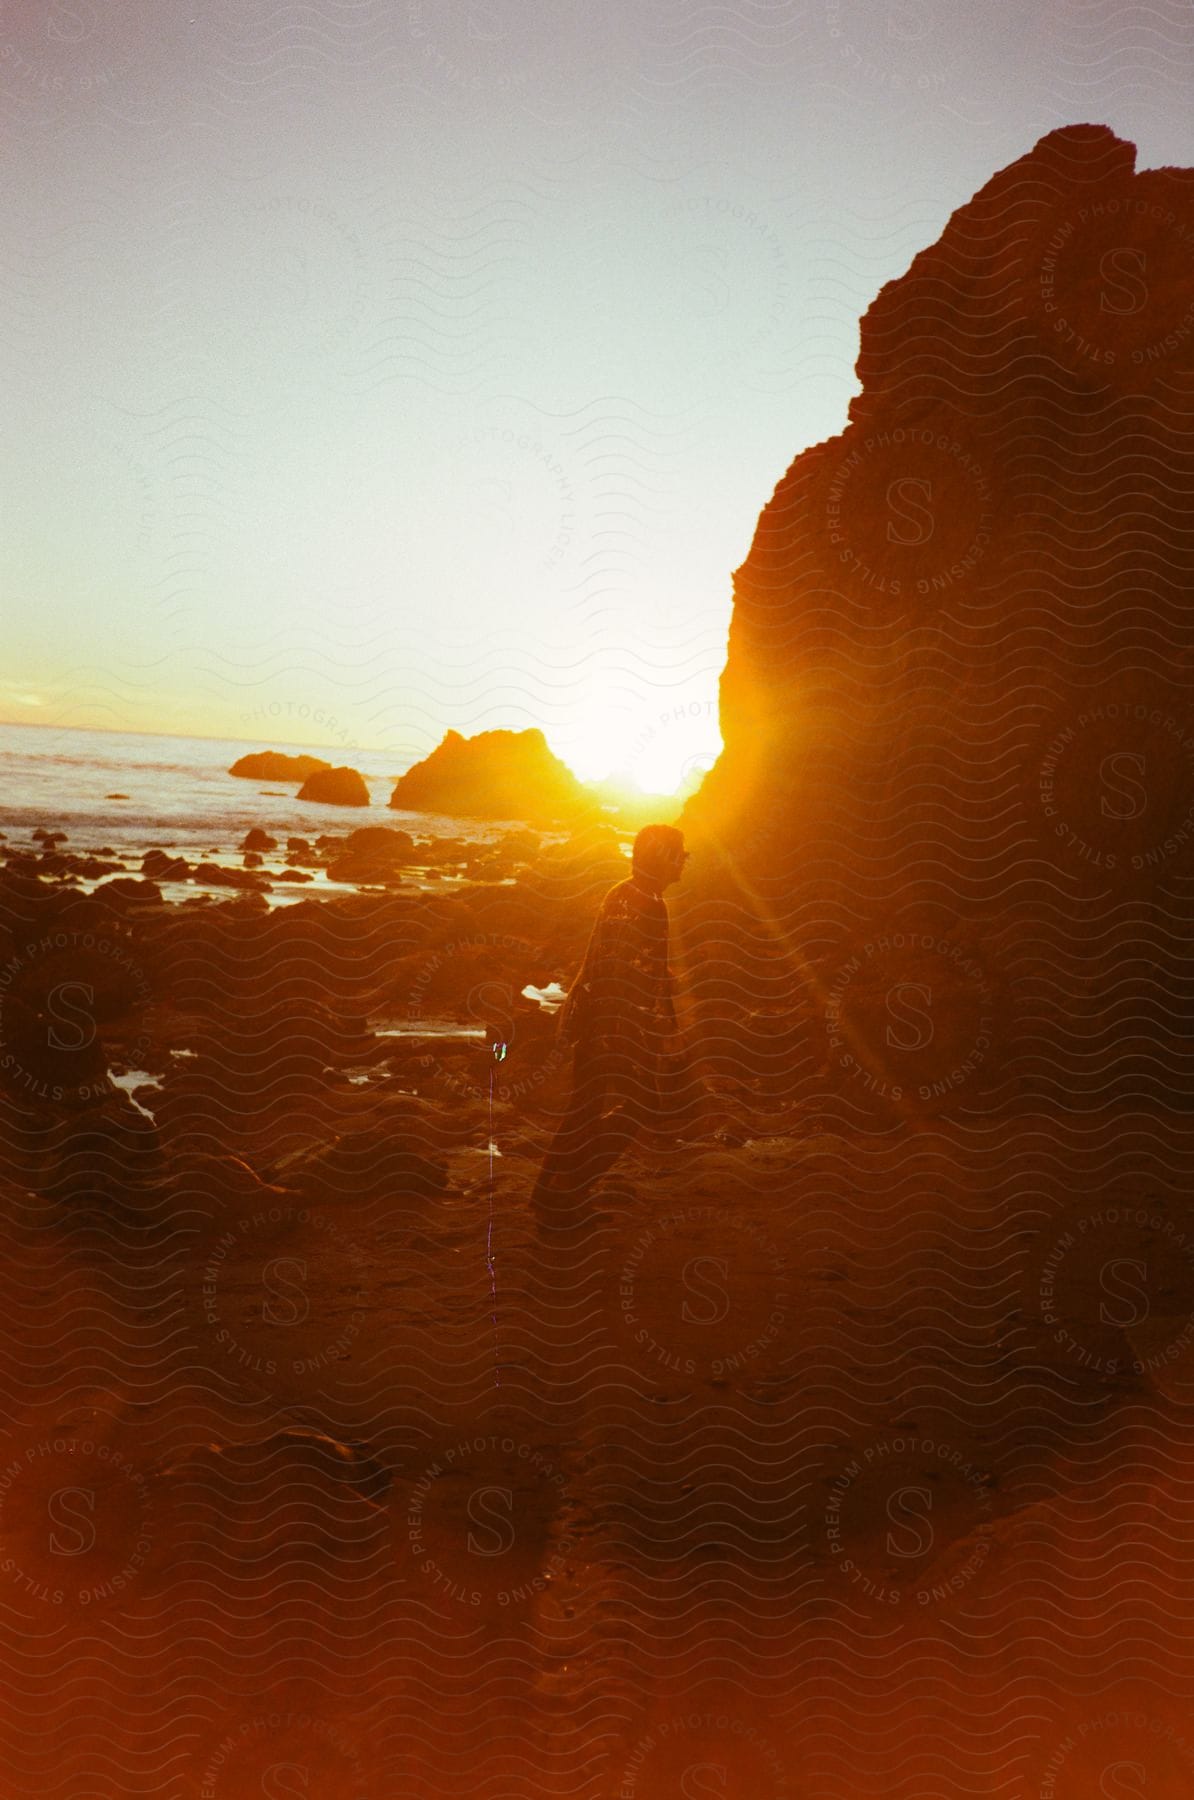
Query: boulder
x,y
372,855
159,865
256,839
494,775
489,868
521,845
381,841
336,787
443,850
125,891
273,765
215,875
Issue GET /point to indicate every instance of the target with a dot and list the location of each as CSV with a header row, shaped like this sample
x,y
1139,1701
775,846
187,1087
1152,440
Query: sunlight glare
x,y
667,753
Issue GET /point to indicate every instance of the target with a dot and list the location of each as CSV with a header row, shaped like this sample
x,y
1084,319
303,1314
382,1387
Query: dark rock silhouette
x,y
494,775
274,765
159,865
215,875
958,776
375,855
336,787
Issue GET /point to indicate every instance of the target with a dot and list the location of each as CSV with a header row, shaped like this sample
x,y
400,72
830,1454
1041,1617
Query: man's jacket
x,y
624,989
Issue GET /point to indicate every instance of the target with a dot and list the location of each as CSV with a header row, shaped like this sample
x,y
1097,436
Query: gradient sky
x,y
378,366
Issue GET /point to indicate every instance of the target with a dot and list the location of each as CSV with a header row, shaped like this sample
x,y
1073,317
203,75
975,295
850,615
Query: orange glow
x,y
665,754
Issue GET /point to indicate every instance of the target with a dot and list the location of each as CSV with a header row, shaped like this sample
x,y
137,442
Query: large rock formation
x,y
955,808
494,775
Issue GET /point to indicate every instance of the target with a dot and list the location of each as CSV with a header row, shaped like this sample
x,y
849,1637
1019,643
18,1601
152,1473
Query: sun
x,y
664,753
669,768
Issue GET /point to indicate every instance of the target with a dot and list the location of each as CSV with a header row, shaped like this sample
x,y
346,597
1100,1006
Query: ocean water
x,y
180,795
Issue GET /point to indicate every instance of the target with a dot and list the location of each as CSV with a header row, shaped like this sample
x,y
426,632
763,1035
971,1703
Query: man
x,y
620,1019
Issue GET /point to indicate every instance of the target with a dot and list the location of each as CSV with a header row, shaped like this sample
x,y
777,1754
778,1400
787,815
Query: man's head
x,y
659,854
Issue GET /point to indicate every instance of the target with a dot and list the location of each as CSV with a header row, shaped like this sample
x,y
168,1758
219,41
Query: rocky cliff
x,y
955,810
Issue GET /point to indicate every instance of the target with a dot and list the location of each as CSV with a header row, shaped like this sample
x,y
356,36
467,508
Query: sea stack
x,y
336,787
494,775
955,810
276,765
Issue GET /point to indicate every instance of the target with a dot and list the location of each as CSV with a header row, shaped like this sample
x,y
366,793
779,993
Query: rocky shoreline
x,y
176,1008
267,1152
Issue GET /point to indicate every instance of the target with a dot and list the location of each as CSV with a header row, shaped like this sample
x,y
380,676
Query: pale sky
x,y
422,364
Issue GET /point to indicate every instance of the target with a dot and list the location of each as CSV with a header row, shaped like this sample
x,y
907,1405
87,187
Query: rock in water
x,y
159,865
336,787
494,775
955,809
273,765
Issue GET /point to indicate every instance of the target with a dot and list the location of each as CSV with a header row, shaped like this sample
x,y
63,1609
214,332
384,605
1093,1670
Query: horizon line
x,y
206,737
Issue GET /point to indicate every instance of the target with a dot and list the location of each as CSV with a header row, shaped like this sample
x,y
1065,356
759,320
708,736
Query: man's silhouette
x,y
619,1017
